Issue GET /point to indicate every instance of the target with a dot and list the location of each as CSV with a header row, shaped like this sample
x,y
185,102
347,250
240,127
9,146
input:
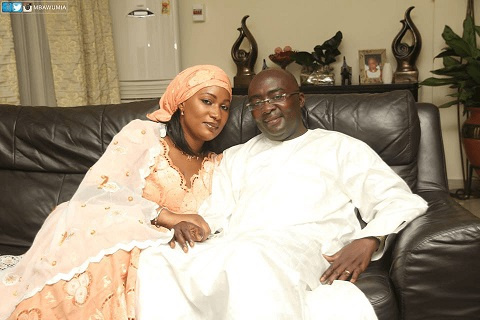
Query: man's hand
x,y
186,233
169,219
350,261
199,221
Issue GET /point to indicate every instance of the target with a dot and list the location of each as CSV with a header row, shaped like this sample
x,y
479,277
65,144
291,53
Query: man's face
x,y
281,120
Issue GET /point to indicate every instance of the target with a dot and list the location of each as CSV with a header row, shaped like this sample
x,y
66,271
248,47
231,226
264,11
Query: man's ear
x,y
301,97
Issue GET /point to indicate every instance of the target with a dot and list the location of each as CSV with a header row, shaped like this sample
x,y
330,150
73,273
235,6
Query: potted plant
x,y
316,65
461,71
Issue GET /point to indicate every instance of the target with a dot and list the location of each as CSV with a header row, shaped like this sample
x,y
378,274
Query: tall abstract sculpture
x,y
244,60
406,54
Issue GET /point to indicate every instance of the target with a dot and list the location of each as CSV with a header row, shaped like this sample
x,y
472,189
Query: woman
x,y
83,262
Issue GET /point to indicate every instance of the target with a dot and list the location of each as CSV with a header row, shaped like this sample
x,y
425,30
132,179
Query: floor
x,y
473,203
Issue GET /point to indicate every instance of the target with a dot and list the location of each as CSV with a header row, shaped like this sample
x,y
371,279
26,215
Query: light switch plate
x,y
198,12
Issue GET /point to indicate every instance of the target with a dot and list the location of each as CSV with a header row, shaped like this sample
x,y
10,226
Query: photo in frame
x,y
371,64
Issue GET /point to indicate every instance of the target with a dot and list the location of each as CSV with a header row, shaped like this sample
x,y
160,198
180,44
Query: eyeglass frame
x,y
260,103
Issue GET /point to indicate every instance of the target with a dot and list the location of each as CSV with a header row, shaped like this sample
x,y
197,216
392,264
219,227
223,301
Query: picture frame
x,y
371,64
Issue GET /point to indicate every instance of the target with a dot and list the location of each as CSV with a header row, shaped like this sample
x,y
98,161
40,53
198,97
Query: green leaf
x,y
460,46
472,104
469,33
461,74
448,52
473,70
455,76
454,95
451,68
476,54
436,82
448,104
465,95
476,96
449,61
474,101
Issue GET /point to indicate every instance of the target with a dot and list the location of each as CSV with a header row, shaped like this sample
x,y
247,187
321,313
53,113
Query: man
x,y
283,222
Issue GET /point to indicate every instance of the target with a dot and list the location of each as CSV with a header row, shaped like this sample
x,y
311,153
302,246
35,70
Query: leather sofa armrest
x,y
435,262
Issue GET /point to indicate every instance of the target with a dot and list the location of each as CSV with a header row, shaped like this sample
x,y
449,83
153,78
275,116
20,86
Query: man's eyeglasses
x,y
278,98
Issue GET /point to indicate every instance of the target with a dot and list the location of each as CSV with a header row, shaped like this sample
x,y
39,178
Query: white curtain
x,y
9,93
62,59
33,60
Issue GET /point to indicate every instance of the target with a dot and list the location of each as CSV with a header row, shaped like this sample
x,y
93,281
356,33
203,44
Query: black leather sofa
x,y
432,271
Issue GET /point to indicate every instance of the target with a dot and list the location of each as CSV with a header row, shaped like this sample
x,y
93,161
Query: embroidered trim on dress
x,y
8,261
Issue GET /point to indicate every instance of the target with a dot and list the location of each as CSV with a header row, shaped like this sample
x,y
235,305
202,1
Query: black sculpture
x,y
405,54
244,60
346,73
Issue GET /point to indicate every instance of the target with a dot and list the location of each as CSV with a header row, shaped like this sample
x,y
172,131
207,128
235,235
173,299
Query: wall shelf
x,y
363,88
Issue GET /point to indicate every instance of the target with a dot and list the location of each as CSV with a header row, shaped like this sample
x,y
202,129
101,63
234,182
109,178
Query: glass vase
x,y
317,76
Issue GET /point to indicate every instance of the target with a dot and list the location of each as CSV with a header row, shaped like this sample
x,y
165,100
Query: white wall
x,y
302,24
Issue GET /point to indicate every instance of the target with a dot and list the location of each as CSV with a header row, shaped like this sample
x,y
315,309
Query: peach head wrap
x,y
185,85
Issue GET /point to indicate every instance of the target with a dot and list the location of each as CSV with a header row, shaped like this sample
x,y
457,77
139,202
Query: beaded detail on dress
x,y
167,186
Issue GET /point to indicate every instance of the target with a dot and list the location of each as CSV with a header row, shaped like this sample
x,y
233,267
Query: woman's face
x,y
205,114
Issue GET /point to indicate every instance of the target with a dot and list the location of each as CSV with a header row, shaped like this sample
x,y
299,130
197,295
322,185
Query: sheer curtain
x,y
33,60
65,59
8,70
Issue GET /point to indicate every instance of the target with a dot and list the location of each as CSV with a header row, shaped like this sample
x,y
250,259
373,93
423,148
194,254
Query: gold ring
x,y
347,272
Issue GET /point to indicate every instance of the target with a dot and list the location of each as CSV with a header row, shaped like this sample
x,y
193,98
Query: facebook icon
x,y
6,7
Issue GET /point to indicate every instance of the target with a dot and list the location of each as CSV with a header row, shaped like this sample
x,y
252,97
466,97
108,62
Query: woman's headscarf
x,y
185,85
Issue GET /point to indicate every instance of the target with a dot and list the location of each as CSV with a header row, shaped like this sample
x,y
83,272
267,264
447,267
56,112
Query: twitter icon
x,y
17,6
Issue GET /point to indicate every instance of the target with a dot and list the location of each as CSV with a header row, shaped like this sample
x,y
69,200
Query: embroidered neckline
x,y
183,179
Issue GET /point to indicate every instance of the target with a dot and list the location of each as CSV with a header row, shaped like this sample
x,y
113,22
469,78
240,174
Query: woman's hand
x,y
169,219
350,261
186,233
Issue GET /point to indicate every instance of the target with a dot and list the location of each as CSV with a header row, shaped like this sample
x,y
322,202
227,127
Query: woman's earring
x,y
181,112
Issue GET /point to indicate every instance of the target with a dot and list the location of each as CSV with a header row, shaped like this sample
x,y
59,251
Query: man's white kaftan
x,y
276,208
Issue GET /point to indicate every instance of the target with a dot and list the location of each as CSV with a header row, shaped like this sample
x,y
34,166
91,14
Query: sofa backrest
x,y
45,152
44,155
387,122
